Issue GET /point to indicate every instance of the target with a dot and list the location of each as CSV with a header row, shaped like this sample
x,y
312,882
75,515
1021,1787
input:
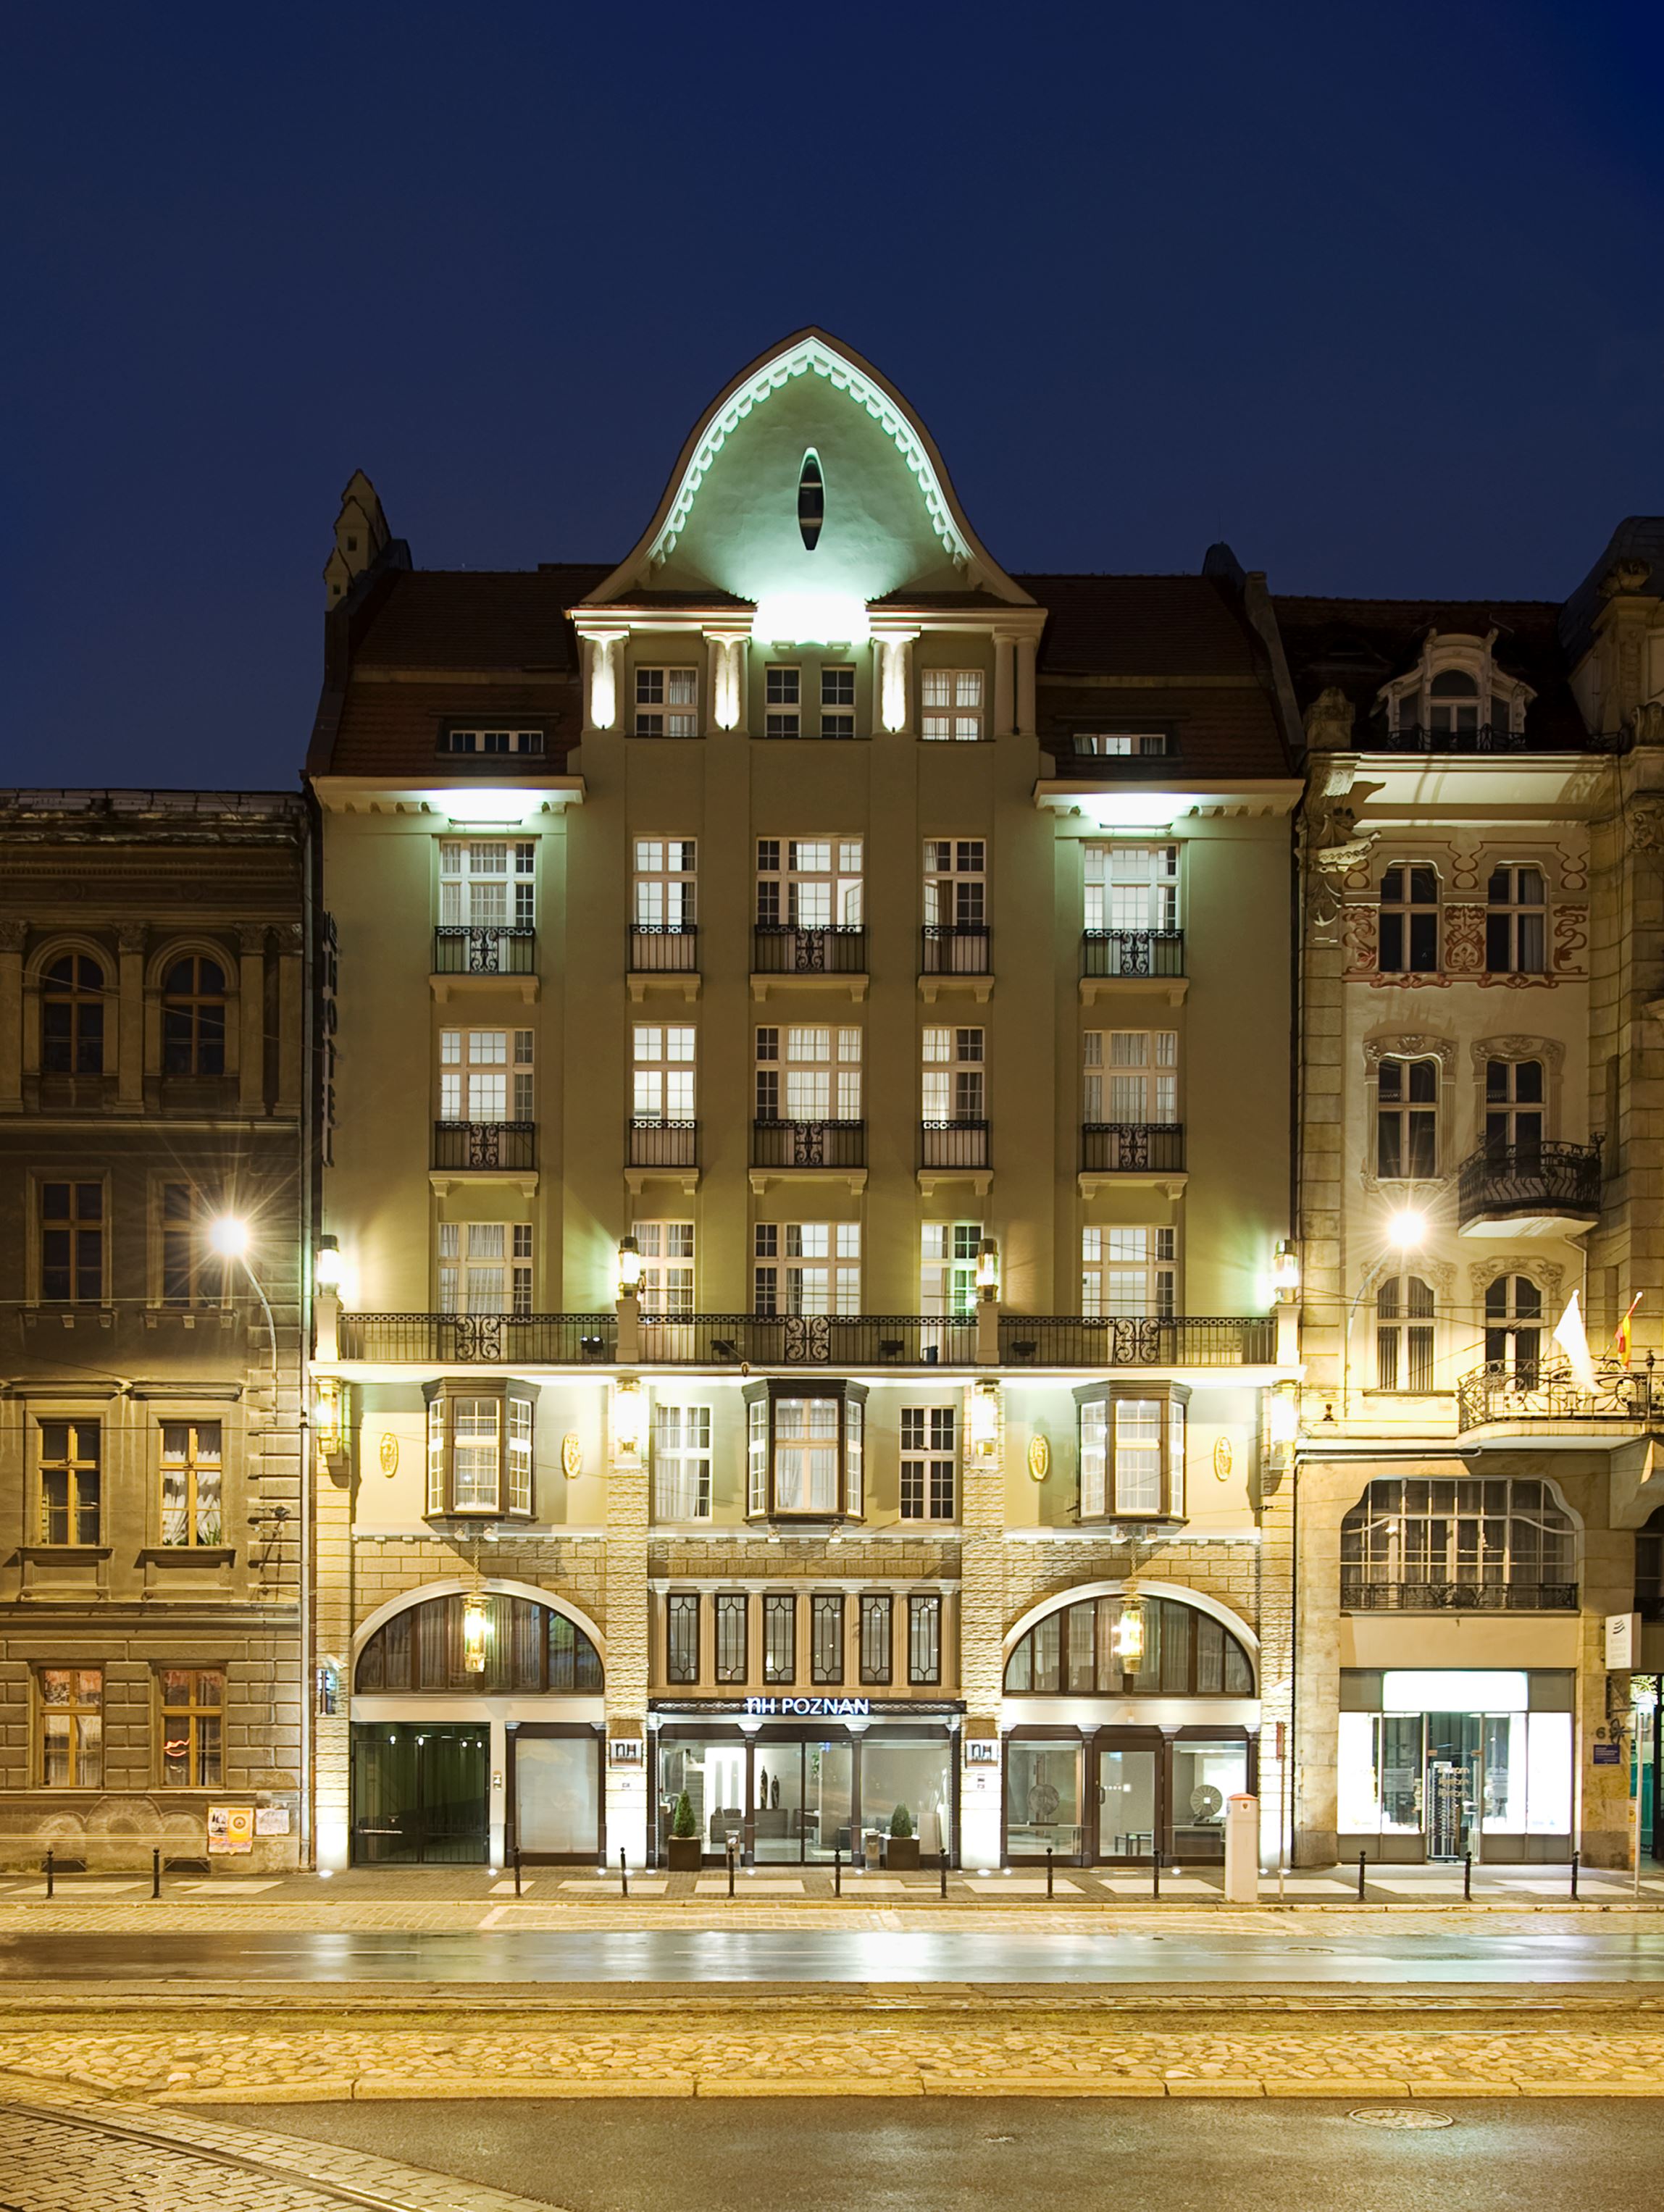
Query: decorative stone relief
x,y
1464,869
1571,937
1415,1046
1360,935
1548,1050
1547,1274
1646,823
1464,939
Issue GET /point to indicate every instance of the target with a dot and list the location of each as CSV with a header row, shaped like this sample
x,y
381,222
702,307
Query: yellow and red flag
x,y
1623,1338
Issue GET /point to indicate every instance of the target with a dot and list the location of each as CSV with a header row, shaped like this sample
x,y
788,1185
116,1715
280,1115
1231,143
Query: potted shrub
x,y
687,1845
902,1855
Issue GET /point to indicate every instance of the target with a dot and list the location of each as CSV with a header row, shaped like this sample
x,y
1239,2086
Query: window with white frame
x,y
806,1454
1131,887
474,1438
665,883
667,1277
519,1456
487,882
806,1268
485,1267
1118,744
951,703
485,1075
1404,1327
1128,1272
951,1079
929,1462
782,701
808,1073
948,1268
491,741
681,1462
1516,919
1409,941
1451,704
955,882
1131,1076
810,883
1131,1449
1406,1120
805,1449
837,702
663,1071
666,702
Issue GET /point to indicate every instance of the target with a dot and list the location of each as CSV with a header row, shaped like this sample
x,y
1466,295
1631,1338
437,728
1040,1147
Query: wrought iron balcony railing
x,y
960,948
437,1340
1132,952
780,949
1130,1341
1487,737
808,1144
664,949
664,1144
1504,1180
1132,1147
1551,1397
807,1340
952,1143
1361,1593
484,1145
467,949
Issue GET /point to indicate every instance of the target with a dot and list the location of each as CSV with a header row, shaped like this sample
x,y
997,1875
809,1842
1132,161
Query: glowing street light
x,y
327,1267
1407,1228
228,1237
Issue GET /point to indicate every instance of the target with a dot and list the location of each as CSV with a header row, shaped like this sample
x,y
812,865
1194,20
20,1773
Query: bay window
x,y
805,1450
1132,1445
480,1450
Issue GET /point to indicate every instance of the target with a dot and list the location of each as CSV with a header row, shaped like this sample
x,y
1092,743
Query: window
x,y
681,1638
806,1268
955,882
925,1640
1112,745
826,1639
1406,1120
666,702
1133,1454
928,1462
822,1069
665,883
1515,919
1466,1541
805,1450
487,882
485,1075
733,1663
193,1018
192,1467
528,1647
810,883
681,1462
663,1072
1513,1328
1409,922
1131,1076
951,1080
69,1489
472,1439
837,705
72,1017
876,1640
491,741
950,701
1404,1335
192,1273
948,1268
485,1267
806,1454
782,701
72,1243
811,500
192,1726
779,1639
1514,1107
1128,1272
1071,1652
1131,887
666,1282
71,1728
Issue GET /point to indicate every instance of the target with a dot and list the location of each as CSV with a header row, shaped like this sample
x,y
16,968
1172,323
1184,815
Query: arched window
x,y
1424,1545
1453,703
811,500
72,1017
193,1018
1404,1335
1513,1328
1071,1653
529,1649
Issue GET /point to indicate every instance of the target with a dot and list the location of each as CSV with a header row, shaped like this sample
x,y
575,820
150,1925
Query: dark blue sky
x,y
1371,291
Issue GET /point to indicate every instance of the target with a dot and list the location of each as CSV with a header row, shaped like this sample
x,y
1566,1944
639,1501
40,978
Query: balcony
x,y
466,1147
664,1144
1137,953
1125,1341
950,1146
439,1340
956,949
1486,739
779,949
833,1145
1132,1148
1363,1594
1529,1190
1540,1401
834,1341
467,951
664,949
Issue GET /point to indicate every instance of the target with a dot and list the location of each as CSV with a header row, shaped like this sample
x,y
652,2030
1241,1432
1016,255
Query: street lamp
x,y
988,1269
327,1268
1407,1228
228,1235
630,1268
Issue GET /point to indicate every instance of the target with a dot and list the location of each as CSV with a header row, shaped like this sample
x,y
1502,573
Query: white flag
x,y
1569,1336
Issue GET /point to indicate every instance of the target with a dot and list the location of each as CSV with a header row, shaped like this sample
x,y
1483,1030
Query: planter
x,y
901,1854
686,1853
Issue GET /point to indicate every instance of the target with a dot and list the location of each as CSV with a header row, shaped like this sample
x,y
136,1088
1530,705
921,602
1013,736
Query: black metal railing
x,y
1526,1179
664,1144
807,1340
1361,1593
1553,1396
466,950
778,949
664,949
952,1143
956,949
1132,952
1078,756
574,1340
1129,1340
808,1144
1486,739
484,1144
1131,1147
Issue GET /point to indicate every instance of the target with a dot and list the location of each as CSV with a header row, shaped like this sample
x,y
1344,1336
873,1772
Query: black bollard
x,y
837,1873
1155,1873
49,1873
1360,1877
1576,1856
1467,1878
944,1871
733,1860
624,1870
1048,1869
516,1869
156,1873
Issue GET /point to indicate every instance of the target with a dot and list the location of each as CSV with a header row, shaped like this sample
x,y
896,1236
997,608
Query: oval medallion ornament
x,y
1222,1458
571,1453
1039,1458
389,1453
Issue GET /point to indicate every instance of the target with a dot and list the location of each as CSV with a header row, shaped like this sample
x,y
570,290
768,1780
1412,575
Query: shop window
x,y
928,1462
72,1017
877,1633
682,1637
779,1639
1649,1566
681,1462
69,1482
193,1475
480,1451
72,1243
193,1003
1406,1120
826,1639
193,1727
733,1659
1409,940
69,1747
805,1457
925,1640
1404,1330
1131,1453
1077,1651
1490,1543
528,1648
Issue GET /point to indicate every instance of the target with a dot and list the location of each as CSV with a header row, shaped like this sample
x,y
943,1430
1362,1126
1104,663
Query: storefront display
x,y
1116,1795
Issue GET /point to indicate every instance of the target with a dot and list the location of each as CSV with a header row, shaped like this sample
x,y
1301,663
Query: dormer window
x,y
485,742
811,500
1457,700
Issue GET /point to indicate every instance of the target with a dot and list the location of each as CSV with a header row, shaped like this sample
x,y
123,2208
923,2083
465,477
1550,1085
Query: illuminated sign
x,y
809,1708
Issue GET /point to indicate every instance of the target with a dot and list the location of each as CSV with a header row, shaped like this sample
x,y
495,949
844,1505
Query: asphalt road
x,y
1539,1951
775,2154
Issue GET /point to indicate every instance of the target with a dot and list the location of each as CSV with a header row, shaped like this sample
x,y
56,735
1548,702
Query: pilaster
x,y
627,1641
982,1635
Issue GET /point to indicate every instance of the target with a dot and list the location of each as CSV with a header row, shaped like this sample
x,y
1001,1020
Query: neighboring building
x,y
808,1137
154,1043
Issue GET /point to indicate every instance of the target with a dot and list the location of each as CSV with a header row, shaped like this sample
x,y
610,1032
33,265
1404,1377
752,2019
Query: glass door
x,y
1453,1788
1129,1819
828,1797
777,1815
419,1794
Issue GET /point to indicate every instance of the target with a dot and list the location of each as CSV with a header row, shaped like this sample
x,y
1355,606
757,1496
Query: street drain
x,y
1400,2116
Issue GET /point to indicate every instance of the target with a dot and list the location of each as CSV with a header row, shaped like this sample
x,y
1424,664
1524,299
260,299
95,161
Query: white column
x,y
726,679
1005,688
600,678
1026,652
895,690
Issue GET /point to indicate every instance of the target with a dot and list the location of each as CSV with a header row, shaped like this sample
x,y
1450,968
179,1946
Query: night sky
x,y
1373,292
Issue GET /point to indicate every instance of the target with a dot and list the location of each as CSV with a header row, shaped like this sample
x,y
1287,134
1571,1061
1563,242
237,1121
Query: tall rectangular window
x,y
951,703
782,701
666,884
810,883
520,1454
71,1754
1406,1120
193,1468
805,1456
193,1727
475,1454
925,1640
1094,1458
72,1243
486,1075
192,1273
485,1267
1131,1076
806,1268
1513,1105
951,1081
1409,922
1138,1454
1128,1272
667,1250
666,702
1404,1322
1516,919
69,1482
837,705
948,1268
682,1637
955,882
681,1462
808,1073
876,1639
487,882
663,1072
1131,887
928,1462
779,1639
827,1639
733,1662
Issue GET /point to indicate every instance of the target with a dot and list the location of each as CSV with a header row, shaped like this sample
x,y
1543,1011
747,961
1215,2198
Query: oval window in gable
x,y
811,499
